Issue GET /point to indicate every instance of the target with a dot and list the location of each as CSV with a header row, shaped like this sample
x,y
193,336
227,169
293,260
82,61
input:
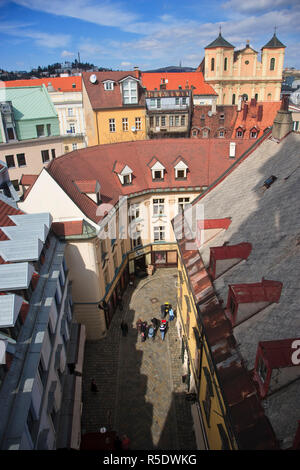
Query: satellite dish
x,y
209,113
93,78
133,129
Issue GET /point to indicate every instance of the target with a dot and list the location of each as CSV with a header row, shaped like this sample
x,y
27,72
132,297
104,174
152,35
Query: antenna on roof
x,y
275,28
220,30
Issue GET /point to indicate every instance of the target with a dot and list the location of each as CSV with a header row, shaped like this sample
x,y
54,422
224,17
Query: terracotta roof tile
x,y
108,99
67,228
58,83
152,80
206,160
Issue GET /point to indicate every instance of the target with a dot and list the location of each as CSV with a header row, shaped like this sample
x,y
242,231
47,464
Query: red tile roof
x,y
86,186
261,115
153,80
58,83
214,123
109,99
28,180
206,161
67,228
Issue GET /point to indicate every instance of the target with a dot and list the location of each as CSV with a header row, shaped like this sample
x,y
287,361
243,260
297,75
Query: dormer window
x,y
129,90
181,170
91,188
253,133
124,173
108,85
157,170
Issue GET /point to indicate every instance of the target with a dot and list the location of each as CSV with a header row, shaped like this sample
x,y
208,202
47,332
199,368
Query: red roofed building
x,y
127,193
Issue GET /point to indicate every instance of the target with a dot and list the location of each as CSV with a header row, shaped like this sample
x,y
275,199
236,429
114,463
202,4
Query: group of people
x,y
149,331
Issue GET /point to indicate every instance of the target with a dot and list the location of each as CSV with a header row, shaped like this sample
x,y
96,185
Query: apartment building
x,y
114,106
29,130
66,96
42,348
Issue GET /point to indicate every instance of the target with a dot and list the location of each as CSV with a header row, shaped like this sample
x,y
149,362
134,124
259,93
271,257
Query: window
x,y
269,97
180,173
171,121
177,101
183,120
112,125
159,233
296,126
157,174
163,121
158,103
157,121
45,156
70,111
212,64
21,159
10,133
138,123
194,133
225,64
151,121
233,98
205,133
126,179
16,185
152,102
177,121
209,393
10,161
158,206
272,64
108,86
53,153
239,133
256,96
253,134
182,202
184,101
40,131
221,133
72,129
74,146
125,124
137,240
130,92
134,211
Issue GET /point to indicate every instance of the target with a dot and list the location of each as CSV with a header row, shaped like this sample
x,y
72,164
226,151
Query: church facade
x,y
244,73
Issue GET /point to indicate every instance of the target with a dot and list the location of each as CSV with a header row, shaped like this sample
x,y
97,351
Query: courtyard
x,y
140,388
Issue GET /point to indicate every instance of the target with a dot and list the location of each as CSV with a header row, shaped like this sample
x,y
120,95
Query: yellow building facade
x,y
242,73
120,125
201,377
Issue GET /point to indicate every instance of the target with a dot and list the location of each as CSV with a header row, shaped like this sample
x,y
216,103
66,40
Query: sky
x,y
148,34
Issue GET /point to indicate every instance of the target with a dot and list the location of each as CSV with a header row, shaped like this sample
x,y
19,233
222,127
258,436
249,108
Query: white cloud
x,y
258,5
104,13
67,54
24,30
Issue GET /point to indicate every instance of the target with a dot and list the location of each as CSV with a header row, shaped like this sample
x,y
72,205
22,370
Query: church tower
x,y
272,58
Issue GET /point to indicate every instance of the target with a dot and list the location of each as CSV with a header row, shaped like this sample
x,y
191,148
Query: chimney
x,y
240,103
214,106
283,122
137,72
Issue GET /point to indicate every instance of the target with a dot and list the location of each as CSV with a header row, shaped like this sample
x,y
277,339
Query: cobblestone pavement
x,y
140,384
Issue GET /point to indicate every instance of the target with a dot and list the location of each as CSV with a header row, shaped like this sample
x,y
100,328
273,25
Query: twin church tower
x,y
241,73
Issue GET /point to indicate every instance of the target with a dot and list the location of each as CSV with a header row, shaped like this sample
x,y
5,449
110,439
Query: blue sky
x,y
149,34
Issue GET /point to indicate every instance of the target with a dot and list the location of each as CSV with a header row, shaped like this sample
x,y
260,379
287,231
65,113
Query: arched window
x,y
272,64
269,97
245,97
233,98
212,64
256,97
225,63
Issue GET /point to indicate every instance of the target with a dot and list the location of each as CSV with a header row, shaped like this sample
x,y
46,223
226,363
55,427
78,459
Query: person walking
x,y
162,329
171,314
